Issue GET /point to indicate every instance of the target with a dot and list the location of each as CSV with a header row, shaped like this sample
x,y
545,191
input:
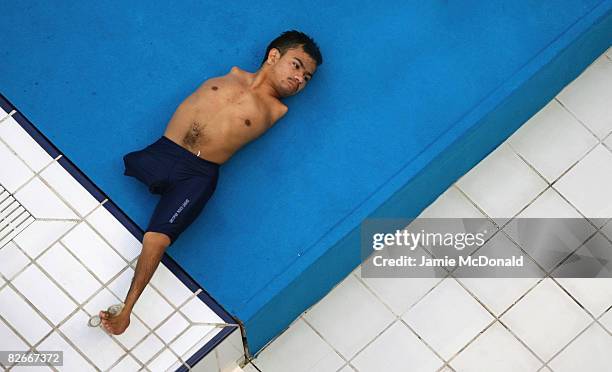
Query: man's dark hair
x,y
293,39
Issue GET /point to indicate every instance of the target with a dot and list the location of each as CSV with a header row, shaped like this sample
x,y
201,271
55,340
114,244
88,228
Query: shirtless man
x,y
214,122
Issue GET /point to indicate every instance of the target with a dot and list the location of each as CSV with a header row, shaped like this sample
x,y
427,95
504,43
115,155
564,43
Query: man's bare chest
x,y
231,104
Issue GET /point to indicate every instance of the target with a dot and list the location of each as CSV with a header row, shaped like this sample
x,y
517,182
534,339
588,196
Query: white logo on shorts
x,y
175,215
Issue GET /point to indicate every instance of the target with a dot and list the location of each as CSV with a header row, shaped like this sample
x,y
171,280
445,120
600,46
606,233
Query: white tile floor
x,y
64,257
558,164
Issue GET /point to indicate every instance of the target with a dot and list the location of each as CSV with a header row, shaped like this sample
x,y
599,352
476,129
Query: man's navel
x,y
194,137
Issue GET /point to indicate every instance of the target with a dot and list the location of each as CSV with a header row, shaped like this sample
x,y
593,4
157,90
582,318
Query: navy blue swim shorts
x,y
184,181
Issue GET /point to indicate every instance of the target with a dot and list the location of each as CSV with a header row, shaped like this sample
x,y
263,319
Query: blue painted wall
x,y
410,96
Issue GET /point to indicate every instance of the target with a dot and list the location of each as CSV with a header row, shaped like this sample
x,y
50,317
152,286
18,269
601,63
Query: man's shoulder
x,y
236,75
281,109
277,110
237,71
227,80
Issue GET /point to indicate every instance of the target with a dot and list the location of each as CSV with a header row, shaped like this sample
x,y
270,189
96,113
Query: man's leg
x,y
186,190
154,245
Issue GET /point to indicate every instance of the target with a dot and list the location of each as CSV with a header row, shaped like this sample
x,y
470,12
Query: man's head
x,y
291,60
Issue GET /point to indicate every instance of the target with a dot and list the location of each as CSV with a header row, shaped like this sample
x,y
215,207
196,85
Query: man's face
x,y
292,71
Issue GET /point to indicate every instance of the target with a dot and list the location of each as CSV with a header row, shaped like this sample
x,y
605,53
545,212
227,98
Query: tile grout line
x,y
333,349
398,317
8,115
252,362
30,347
10,326
497,318
192,346
576,118
591,324
475,205
550,185
34,173
594,320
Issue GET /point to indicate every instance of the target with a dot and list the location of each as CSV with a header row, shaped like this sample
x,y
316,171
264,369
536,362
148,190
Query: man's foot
x,y
115,324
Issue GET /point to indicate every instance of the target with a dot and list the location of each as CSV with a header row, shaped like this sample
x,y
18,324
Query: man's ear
x,y
273,56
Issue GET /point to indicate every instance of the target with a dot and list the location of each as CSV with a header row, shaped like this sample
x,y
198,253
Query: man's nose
x,y
299,79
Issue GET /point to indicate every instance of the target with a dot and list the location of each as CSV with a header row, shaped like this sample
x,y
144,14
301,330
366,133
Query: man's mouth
x,y
293,84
